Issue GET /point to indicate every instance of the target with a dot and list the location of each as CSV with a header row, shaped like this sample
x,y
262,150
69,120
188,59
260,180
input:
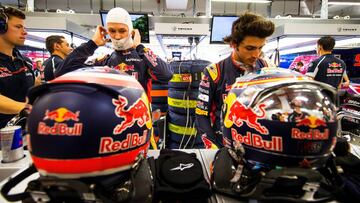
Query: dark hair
x,y
13,12
51,40
250,24
300,63
327,43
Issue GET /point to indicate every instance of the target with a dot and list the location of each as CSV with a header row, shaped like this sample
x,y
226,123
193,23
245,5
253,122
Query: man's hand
x,y
136,37
37,81
99,36
346,83
10,106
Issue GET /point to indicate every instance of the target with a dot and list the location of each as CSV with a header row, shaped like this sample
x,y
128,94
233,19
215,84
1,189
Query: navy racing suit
x,y
214,87
16,78
141,63
327,69
51,64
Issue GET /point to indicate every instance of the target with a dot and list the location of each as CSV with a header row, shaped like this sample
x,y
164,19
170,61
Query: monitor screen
x,y
140,22
220,28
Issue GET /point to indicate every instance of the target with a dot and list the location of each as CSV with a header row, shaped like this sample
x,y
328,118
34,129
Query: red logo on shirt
x,y
4,72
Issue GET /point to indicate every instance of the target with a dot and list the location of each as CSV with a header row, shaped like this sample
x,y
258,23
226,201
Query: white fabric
x,y
120,15
122,44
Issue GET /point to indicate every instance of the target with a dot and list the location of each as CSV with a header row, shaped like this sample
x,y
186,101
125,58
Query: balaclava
x,y
120,15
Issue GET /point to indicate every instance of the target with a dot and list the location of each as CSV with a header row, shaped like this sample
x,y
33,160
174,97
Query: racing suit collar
x,y
240,65
124,52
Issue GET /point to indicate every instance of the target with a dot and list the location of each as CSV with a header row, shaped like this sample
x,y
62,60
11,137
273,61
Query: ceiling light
x,y
246,1
344,3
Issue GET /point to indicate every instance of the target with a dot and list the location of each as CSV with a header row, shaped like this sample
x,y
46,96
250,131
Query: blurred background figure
x,y
299,66
327,68
297,115
59,49
39,70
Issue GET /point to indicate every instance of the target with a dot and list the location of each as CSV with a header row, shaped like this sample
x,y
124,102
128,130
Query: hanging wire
x,y
284,8
91,7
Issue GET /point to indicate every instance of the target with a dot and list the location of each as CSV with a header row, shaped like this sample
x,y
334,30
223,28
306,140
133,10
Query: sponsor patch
x,y
201,112
203,97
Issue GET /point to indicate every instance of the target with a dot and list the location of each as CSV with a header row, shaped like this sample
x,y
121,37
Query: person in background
x,y
297,115
327,68
39,70
129,55
16,72
299,66
59,49
248,37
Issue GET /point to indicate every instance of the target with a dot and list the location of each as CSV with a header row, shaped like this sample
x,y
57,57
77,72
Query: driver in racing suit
x,y
129,56
248,36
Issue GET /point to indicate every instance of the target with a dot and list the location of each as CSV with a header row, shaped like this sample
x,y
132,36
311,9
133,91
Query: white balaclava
x,y
120,15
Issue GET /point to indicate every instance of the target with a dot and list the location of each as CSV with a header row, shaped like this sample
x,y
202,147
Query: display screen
x,y
140,22
220,28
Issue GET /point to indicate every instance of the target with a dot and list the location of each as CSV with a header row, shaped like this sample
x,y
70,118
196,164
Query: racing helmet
x,y
281,118
349,119
90,122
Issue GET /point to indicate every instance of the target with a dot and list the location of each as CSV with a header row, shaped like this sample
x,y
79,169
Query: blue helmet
x,y
90,122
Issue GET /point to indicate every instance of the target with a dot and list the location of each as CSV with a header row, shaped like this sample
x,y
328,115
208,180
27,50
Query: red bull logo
x,y
138,112
237,114
4,72
312,122
313,134
60,127
207,143
124,67
108,145
255,140
334,65
61,115
329,70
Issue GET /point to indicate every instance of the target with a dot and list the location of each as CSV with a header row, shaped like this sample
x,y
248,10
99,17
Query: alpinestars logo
x,y
182,167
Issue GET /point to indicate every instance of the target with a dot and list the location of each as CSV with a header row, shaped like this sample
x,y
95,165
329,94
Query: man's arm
x,y
203,110
49,69
157,68
345,81
9,106
78,57
311,69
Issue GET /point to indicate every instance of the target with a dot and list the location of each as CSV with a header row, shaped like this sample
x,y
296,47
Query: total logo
x,y
137,113
61,127
237,113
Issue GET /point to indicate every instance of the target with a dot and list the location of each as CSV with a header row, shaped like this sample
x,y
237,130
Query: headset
x,y
3,21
